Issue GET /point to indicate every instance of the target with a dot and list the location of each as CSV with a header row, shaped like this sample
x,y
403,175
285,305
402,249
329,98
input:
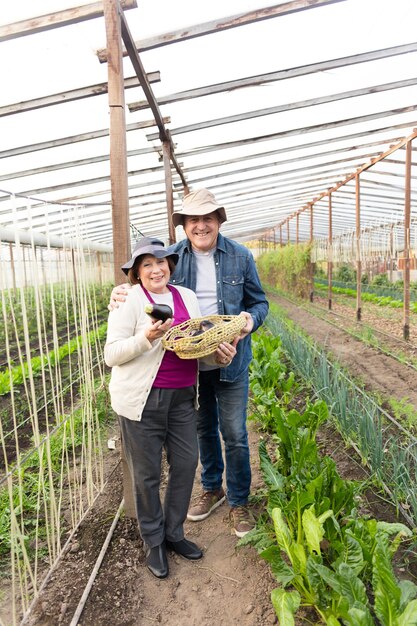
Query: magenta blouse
x,y
175,373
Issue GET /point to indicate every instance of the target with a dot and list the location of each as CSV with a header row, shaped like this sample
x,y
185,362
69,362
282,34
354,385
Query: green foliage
x,y
287,268
345,273
314,540
23,504
380,280
16,375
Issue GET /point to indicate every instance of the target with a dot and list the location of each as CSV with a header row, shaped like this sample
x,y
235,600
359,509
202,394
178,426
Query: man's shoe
x,y
156,560
209,501
242,520
185,548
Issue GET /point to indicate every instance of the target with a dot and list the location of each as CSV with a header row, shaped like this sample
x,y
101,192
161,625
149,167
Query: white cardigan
x,y
134,360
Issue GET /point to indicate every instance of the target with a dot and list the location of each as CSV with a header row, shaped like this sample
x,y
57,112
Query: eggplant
x,y
204,325
158,312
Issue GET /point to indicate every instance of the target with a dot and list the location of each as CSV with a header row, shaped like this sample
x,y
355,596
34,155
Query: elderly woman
x,y
154,394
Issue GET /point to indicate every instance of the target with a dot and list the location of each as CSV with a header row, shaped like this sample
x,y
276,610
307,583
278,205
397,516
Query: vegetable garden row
x,y
324,553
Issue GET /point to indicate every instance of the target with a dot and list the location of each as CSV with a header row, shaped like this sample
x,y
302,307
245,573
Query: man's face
x,y
202,230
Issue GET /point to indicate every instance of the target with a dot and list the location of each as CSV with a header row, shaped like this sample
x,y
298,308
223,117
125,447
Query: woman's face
x,y
154,273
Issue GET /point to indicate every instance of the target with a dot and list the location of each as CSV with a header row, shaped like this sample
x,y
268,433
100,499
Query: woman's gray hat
x,y
199,202
149,245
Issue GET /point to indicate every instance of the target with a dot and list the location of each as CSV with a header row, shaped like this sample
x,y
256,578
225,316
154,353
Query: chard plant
x,y
357,416
321,551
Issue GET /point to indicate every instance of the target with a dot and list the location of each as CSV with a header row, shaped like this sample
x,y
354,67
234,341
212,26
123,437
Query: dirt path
x,y
229,585
379,373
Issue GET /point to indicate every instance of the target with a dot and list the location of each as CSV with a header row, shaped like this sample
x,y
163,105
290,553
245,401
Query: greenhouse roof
x,y
267,106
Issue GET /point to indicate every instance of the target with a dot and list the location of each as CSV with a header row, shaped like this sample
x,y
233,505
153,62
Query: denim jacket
x,y
238,289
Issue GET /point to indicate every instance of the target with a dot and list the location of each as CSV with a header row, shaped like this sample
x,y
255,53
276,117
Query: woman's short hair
x,y
132,274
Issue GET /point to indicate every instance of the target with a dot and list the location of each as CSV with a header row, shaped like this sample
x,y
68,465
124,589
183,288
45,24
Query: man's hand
x,y
118,294
247,329
225,352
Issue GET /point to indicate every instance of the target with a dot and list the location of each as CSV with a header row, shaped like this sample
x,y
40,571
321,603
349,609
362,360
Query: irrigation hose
x,y
86,593
63,551
350,442
318,312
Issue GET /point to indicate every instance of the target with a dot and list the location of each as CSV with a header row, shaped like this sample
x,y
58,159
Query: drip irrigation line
x,y
47,578
385,487
65,337
387,490
86,592
358,336
96,361
376,330
361,391
23,460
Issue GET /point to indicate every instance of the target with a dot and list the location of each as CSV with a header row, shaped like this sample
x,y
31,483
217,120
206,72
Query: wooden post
x,y
288,230
166,152
358,252
391,253
297,227
311,243
407,214
118,177
330,259
280,235
118,158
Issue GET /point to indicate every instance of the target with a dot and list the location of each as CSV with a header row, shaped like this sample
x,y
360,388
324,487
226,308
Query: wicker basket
x,y
182,340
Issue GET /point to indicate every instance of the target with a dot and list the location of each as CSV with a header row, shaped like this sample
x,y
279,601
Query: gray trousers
x,y
168,421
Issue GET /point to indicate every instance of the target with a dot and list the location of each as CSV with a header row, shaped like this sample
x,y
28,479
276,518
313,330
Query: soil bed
x,y
229,585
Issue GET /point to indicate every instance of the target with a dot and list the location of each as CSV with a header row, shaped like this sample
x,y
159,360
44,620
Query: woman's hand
x,y
117,295
157,329
226,352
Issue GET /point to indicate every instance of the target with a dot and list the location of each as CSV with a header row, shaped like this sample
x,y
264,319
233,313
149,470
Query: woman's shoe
x,y
156,560
185,548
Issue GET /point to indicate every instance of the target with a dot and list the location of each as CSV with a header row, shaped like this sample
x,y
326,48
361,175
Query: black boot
x,y
156,560
185,548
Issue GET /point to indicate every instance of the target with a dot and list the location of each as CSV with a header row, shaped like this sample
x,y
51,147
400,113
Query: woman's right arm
x,y
127,337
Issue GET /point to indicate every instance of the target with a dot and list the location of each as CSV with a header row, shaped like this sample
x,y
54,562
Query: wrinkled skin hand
x,y
157,329
246,330
226,352
118,294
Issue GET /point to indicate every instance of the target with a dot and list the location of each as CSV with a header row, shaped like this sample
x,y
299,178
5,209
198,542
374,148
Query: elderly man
x,y
224,276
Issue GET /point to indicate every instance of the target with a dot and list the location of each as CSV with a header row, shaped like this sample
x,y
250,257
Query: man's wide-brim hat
x,y
199,202
149,245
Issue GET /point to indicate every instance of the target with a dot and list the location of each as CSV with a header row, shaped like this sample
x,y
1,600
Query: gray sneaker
x,y
209,500
241,520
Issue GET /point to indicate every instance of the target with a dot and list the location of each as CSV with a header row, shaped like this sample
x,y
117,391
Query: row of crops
x,y
328,557
54,411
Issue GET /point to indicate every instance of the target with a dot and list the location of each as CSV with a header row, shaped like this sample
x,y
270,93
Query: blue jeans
x,y
223,408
